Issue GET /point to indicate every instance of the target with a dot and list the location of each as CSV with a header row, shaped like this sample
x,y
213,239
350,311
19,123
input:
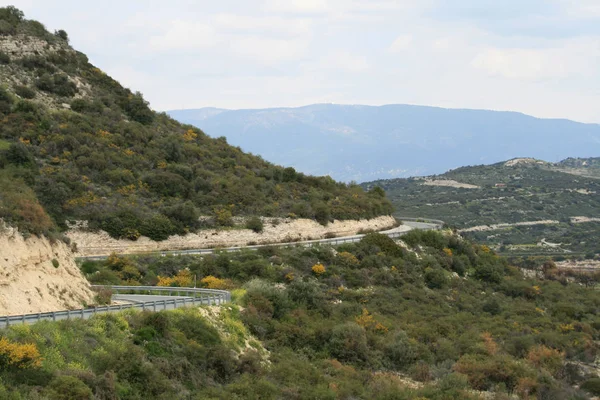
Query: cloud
x,y
401,43
343,60
269,25
268,51
572,58
184,35
298,6
518,64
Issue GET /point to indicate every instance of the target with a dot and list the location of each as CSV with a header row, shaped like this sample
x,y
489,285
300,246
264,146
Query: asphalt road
x,y
407,225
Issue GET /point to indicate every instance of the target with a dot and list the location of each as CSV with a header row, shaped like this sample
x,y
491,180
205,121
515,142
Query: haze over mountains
x,y
362,143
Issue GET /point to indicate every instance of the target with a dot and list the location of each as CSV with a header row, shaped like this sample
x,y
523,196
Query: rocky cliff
x,y
37,275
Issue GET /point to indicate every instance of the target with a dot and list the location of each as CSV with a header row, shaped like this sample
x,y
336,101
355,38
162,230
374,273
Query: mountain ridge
x,y
362,142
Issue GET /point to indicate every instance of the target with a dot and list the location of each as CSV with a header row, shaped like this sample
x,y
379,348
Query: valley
x,y
518,207
157,260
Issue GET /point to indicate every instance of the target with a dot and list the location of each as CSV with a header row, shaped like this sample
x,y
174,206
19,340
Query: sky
x,y
539,57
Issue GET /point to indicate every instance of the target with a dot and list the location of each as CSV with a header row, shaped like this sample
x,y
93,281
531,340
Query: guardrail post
x,y
143,306
164,304
7,321
23,319
53,316
154,306
82,315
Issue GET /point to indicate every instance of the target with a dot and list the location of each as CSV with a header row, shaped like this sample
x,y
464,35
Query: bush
x,y
592,386
348,342
58,84
400,353
67,387
381,243
255,224
5,101
104,296
25,92
55,263
435,278
4,58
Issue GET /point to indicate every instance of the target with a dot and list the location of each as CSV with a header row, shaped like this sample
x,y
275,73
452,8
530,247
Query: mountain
x,y
589,167
76,145
362,143
521,206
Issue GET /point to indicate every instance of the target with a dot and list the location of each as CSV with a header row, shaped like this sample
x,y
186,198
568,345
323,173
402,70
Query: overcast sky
x,y
540,57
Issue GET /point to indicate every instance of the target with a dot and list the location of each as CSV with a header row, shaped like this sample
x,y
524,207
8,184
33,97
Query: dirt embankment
x,y
38,276
449,183
286,230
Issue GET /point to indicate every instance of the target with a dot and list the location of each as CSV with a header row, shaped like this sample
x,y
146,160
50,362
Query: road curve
x,y
408,224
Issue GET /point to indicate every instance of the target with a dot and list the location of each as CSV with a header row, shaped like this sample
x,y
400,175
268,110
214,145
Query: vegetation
x,y
527,191
86,148
439,312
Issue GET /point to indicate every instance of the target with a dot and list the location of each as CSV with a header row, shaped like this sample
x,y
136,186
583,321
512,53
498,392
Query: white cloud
x,y
184,35
571,58
343,60
268,51
268,24
298,6
518,64
401,43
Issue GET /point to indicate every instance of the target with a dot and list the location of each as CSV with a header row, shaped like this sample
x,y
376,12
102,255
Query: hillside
x,y
76,145
434,317
589,167
365,143
540,207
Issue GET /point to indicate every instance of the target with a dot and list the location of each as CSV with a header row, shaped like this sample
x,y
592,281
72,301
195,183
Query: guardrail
x,y
425,220
308,243
194,296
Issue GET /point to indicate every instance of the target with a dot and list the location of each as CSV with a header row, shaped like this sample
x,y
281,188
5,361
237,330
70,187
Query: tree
x,y
62,34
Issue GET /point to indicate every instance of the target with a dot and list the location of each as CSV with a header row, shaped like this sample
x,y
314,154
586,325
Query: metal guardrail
x,y
307,243
194,296
424,220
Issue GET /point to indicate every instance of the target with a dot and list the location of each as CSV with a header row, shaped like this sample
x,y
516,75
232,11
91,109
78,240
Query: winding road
x,y
408,224
167,298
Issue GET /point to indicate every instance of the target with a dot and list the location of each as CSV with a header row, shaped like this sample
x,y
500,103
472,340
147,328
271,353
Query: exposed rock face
x,y
39,276
21,46
288,230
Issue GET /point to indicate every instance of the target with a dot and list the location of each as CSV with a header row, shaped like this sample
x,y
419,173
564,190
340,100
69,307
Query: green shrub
x,y
4,58
55,263
592,386
435,278
6,101
348,343
67,387
400,353
58,84
255,224
158,227
381,243
25,92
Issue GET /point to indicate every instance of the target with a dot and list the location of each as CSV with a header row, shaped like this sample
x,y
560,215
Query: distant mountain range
x,y
362,143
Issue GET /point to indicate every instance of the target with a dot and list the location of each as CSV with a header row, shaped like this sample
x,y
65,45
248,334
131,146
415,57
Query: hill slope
x,y
518,194
86,148
436,318
362,143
